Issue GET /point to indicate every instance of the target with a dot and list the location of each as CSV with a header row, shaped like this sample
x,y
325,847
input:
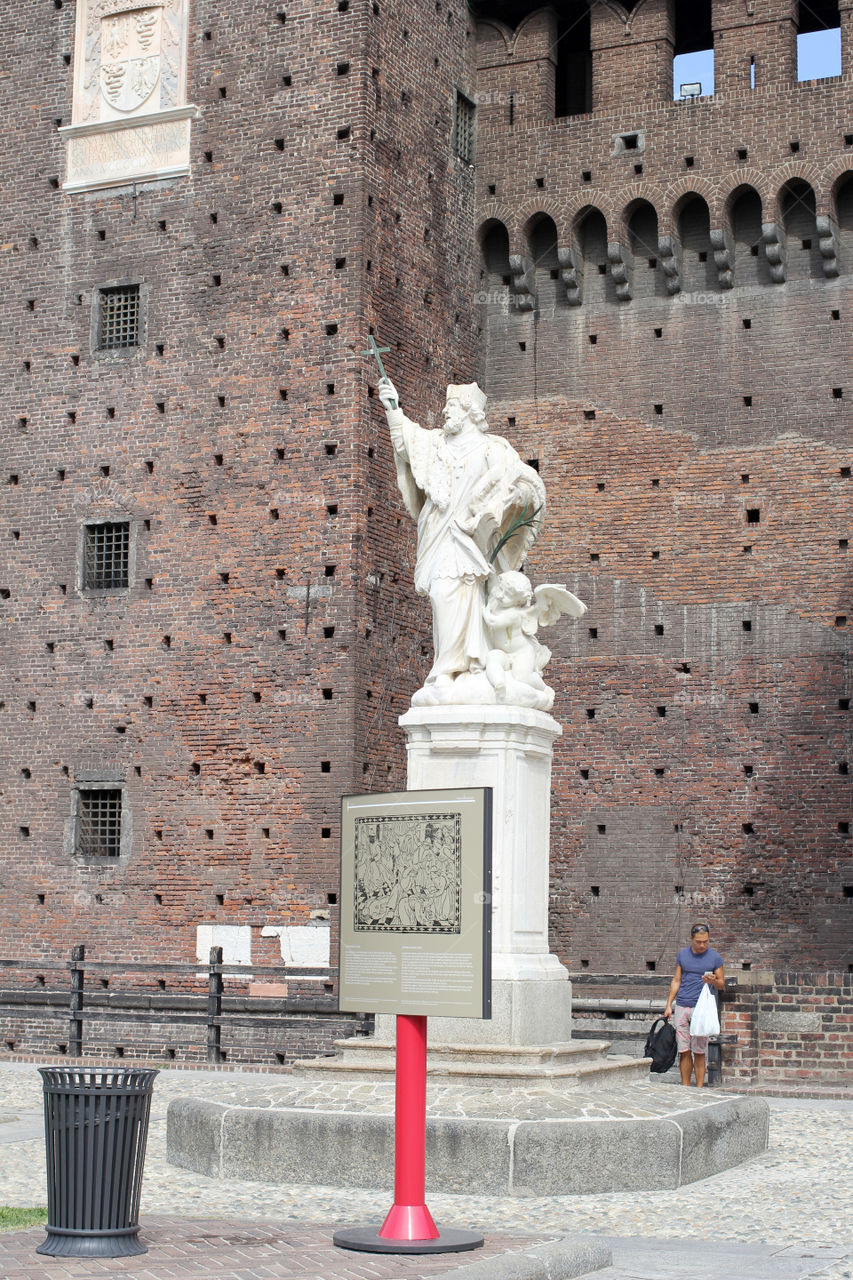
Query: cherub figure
x,y
513,614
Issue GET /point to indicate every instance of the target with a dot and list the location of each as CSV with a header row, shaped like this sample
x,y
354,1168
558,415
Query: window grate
x,y
107,556
119,318
463,139
98,824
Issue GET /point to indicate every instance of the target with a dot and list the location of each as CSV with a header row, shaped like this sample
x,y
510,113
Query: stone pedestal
x,y
508,749
508,1100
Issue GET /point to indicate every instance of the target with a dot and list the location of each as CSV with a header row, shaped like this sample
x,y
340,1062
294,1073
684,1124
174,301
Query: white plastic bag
x,y
704,1020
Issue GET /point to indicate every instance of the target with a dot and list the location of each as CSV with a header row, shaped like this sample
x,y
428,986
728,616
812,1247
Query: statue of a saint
x,y
477,507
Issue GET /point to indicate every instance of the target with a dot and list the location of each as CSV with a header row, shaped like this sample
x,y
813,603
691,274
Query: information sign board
x,y
416,871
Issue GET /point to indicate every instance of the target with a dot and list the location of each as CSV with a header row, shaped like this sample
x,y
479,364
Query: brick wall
x,y
270,1041
254,669
794,1028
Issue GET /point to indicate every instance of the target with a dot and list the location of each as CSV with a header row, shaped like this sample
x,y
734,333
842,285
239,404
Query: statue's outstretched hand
x,y
388,396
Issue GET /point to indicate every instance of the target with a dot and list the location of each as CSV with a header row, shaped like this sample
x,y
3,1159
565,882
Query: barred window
x,y
106,557
119,317
98,833
463,129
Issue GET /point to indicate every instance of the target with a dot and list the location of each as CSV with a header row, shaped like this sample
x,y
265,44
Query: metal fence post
x,y
75,1027
214,1006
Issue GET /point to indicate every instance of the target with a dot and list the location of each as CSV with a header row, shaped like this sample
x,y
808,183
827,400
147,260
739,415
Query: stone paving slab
x,y
21,1090
642,1099
635,1259
221,1249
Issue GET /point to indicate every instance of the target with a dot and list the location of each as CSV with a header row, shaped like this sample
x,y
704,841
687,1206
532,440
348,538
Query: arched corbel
x,y
621,269
523,286
724,257
775,243
570,262
828,243
669,257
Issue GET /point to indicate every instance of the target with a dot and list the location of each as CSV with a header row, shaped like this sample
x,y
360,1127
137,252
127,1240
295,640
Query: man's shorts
x,y
685,1041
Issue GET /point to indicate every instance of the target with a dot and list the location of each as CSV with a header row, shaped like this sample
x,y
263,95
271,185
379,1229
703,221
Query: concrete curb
x,y
561,1259
554,1156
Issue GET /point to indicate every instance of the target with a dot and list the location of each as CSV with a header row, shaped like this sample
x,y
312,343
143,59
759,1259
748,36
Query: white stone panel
x,y
234,939
105,156
303,946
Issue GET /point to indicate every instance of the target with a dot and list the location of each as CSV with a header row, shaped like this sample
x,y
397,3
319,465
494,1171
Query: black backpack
x,y
660,1045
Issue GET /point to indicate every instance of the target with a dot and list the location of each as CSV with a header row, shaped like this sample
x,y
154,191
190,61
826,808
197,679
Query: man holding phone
x,y
697,964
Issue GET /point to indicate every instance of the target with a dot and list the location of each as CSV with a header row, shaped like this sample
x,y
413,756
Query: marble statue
x,y
478,509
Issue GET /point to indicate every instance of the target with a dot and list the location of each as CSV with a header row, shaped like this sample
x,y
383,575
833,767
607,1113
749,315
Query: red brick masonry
x,y
218,1249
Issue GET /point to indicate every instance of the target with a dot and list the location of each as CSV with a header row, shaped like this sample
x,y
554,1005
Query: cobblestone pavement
x,y
798,1196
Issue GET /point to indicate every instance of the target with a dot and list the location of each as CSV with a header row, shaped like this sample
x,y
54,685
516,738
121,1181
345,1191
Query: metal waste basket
x,y
96,1126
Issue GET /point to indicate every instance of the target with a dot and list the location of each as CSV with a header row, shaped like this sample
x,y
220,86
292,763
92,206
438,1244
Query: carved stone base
x,y
508,749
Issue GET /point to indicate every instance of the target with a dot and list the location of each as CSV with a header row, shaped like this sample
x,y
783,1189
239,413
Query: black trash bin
x,y
96,1126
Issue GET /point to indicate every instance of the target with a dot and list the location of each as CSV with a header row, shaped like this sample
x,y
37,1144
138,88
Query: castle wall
x,y
668,335
664,327
253,669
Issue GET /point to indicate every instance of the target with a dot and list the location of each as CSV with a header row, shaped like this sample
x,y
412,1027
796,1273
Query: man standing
x,y
697,964
466,489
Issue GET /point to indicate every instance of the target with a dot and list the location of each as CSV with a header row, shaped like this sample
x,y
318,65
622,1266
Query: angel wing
x,y
551,601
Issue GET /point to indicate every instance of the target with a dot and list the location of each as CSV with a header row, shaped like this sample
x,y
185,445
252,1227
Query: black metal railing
x,y
210,1013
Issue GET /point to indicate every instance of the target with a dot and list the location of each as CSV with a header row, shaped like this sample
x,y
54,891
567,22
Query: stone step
x,y
358,1048
560,1066
591,1075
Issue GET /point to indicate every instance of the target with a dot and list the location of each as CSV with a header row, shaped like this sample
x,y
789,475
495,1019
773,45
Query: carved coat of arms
x,y
130,57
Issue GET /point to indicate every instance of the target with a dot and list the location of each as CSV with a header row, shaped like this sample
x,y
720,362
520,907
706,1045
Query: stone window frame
x,y
118,353
99,779
119,315
106,593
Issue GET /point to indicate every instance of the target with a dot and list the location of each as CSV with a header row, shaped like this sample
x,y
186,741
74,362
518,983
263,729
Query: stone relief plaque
x,y
408,873
130,118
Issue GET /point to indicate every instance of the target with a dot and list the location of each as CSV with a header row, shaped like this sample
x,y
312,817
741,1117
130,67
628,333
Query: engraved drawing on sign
x,y
130,57
408,874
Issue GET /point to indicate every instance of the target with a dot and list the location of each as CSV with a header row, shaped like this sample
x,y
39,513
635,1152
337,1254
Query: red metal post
x,y
409,1218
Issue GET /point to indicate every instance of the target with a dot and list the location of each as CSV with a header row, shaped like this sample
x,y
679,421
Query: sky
x,y
818,55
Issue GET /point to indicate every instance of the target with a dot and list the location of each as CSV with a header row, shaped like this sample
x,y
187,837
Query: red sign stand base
x,y
368,1240
408,1227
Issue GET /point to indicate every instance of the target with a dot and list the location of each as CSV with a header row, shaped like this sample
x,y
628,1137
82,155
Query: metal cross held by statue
x,y
375,351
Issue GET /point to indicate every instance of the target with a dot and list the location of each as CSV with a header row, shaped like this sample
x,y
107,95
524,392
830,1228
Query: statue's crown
x,y
469,395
